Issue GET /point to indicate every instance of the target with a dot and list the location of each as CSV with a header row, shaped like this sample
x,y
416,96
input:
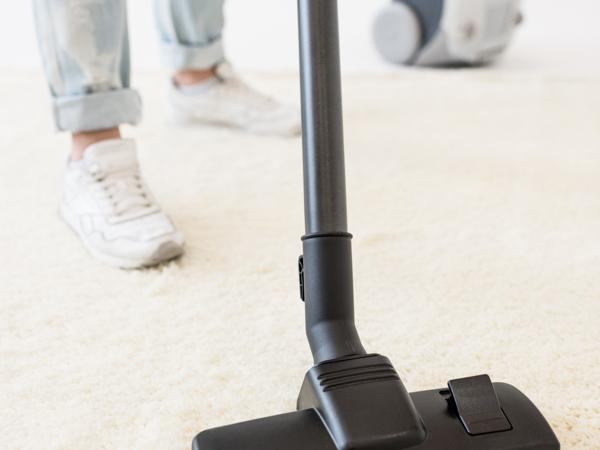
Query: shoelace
x,y
124,190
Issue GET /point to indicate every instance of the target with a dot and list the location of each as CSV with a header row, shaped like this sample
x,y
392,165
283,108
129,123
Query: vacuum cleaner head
x,y
445,32
359,403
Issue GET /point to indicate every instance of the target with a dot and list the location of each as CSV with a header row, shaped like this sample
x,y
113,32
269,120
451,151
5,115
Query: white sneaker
x,y
109,206
226,100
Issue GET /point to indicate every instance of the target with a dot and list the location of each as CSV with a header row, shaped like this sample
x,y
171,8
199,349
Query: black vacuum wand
x,y
352,400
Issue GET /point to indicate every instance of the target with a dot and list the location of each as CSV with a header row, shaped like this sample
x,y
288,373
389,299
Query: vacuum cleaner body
x,y
446,32
351,399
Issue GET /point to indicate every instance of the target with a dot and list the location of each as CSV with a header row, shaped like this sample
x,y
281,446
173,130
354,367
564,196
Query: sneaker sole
x,y
178,118
167,251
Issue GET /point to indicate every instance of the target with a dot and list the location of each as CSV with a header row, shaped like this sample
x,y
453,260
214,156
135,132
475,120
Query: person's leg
x,y
203,88
85,49
191,35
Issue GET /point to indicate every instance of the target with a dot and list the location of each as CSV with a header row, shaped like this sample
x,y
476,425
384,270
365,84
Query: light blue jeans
x,y
85,49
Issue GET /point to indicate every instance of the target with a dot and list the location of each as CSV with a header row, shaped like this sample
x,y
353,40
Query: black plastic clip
x,y
301,275
478,406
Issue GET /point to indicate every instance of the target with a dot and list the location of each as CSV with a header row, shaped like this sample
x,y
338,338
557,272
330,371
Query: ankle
x,y
81,141
189,77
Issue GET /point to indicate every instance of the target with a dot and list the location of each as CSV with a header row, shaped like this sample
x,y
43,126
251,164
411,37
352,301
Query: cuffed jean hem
x,y
97,111
176,56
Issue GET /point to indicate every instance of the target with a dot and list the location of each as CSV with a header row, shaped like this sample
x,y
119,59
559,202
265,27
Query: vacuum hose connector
x,y
328,296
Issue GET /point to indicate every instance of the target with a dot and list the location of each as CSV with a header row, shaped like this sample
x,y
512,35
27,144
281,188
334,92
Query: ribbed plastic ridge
x,y
366,372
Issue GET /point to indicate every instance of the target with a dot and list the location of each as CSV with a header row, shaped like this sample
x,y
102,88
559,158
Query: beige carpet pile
x,y
475,205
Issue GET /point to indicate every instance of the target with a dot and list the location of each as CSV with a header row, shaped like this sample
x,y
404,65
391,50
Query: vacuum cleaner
x,y
446,32
351,399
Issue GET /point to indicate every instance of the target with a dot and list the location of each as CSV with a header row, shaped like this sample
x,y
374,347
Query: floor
x,y
475,204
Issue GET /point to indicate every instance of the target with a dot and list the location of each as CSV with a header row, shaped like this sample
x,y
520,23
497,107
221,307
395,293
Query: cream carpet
x,y
475,205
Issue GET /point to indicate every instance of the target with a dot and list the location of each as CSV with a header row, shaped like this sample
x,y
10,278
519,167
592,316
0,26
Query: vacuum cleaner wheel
x,y
397,32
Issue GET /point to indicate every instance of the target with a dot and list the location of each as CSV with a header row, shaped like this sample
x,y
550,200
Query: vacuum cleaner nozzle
x,y
359,403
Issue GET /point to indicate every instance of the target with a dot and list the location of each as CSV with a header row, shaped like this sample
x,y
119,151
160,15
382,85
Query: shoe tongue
x,y
111,155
